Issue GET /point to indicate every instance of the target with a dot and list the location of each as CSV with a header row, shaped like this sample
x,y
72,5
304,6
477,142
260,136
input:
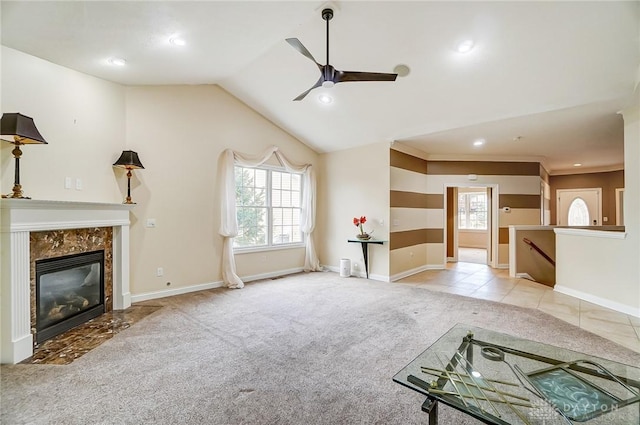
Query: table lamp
x,y
20,130
128,160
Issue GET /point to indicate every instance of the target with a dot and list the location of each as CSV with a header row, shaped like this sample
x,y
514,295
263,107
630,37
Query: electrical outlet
x,y
78,184
160,272
67,182
151,222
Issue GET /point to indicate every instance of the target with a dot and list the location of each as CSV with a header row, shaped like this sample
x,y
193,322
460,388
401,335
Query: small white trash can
x,y
345,267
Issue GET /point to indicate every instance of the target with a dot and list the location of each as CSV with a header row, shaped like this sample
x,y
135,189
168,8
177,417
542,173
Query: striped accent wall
x,y
545,189
417,196
416,237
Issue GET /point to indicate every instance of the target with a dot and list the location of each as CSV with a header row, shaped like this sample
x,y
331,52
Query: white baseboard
x,y
524,276
204,286
271,275
594,299
416,270
360,274
503,266
176,291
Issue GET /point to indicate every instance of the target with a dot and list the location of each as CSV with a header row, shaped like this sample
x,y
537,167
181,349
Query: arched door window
x,y
578,213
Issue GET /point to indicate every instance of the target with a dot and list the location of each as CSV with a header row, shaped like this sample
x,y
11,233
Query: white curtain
x,y
229,221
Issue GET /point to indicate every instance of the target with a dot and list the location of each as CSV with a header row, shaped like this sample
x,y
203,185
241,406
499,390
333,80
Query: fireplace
x,y
69,292
34,230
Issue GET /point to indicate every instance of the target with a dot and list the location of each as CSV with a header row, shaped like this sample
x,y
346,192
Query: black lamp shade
x,y
19,129
128,160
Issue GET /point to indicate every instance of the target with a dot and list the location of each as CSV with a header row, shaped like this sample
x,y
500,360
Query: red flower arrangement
x,y
358,222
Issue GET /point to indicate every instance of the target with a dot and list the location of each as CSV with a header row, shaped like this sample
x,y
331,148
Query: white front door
x,y
579,207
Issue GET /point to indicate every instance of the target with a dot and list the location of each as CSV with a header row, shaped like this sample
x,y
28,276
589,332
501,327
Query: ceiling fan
x,y
329,76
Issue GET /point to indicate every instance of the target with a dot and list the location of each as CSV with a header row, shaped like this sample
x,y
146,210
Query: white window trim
x,y
270,246
466,195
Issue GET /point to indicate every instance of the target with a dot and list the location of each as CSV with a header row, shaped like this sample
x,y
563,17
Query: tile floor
x,y
481,281
472,255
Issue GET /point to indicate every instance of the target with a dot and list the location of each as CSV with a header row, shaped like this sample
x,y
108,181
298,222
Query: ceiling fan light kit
x,y
329,76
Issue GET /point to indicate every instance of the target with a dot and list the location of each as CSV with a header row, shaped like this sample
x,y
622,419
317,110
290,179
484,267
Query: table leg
x,y
430,406
365,255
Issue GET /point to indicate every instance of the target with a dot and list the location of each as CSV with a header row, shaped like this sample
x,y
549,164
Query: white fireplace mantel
x,y
19,217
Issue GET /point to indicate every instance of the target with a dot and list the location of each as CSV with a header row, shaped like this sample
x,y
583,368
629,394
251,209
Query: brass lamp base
x,y
17,193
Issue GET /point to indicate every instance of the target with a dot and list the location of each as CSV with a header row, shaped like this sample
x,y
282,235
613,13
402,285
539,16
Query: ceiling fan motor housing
x,y
329,73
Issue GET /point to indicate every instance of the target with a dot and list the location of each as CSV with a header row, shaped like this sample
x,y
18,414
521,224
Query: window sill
x,y
240,251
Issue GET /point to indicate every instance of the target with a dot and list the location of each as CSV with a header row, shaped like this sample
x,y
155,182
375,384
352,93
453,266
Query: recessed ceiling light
x,y
177,41
479,142
325,98
465,46
577,164
117,61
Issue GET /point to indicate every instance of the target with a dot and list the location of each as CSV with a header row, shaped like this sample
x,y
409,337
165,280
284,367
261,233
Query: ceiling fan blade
x,y
315,86
296,44
346,76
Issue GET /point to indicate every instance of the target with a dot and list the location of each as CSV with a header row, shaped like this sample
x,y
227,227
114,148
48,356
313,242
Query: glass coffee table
x,y
501,379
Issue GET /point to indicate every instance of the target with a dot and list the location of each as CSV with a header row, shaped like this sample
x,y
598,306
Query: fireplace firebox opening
x,y
69,292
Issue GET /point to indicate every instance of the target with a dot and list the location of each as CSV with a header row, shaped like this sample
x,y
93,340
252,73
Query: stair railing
x,y
539,251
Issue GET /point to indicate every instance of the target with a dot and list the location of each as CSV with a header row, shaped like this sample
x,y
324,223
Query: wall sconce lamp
x,y
128,160
20,130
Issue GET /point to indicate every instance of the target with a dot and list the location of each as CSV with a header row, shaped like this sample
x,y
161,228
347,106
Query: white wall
x,y
354,183
601,270
81,117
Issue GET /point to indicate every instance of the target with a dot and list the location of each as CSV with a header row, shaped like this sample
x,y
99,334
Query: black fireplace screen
x,y
69,292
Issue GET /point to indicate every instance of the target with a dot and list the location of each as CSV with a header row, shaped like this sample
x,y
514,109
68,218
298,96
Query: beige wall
x,y
354,184
531,262
81,117
179,133
472,239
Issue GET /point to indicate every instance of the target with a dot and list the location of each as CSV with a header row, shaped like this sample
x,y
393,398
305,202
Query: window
x,y
472,210
578,213
268,205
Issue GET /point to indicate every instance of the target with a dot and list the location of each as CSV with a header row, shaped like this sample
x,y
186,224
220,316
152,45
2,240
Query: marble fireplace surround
x,y
18,219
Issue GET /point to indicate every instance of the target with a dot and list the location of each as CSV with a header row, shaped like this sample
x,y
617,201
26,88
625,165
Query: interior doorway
x,y
471,224
579,207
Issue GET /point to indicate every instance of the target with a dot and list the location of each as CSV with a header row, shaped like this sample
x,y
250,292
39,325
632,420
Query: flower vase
x,y
363,236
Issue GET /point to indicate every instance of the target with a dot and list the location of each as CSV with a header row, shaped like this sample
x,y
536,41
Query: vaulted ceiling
x,y
544,80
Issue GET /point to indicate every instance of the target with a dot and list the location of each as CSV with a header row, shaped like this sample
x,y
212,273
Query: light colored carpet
x,y
305,349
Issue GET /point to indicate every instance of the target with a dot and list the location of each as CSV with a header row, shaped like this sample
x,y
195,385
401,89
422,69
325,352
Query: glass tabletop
x,y
502,379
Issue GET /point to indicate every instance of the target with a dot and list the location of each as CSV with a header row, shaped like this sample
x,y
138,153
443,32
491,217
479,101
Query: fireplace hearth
x,y
69,292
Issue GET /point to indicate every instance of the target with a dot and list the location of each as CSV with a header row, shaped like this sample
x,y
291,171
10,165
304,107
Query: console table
x,y
365,250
